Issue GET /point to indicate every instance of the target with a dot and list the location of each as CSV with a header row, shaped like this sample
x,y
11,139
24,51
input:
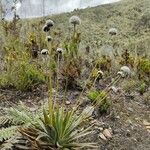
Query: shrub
x,y
100,99
142,88
22,76
143,68
104,63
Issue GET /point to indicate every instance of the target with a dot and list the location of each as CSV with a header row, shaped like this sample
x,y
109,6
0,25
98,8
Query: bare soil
x,y
125,119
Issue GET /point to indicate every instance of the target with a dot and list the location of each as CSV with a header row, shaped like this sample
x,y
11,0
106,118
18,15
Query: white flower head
x,y
126,70
44,52
59,50
121,74
114,89
49,23
75,20
101,73
113,31
45,28
49,38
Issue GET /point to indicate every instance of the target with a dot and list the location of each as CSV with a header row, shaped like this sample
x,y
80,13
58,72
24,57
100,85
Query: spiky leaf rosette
x,y
58,129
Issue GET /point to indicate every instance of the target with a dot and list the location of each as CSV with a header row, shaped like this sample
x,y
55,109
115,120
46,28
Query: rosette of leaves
x,y
58,129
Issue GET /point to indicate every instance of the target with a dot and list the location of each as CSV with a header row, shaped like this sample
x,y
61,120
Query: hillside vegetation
x,y
78,80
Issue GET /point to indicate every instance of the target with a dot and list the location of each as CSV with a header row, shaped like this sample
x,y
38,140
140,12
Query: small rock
x,y
129,121
101,135
68,102
117,117
116,131
88,111
107,133
137,119
146,123
128,133
148,127
129,96
85,102
134,139
110,129
130,109
114,89
33,109
100,128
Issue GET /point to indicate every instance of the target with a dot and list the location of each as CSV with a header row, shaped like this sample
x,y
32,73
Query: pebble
x,y
130,109
129,121
102,136
68,102
148,127
146,123
107,133
114,89
128,133
117,117
100,128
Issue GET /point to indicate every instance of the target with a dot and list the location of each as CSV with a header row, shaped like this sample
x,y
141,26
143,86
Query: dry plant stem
x,y
93,85
118,77
65,92
50,100
135,59
107,89
74,31
57,82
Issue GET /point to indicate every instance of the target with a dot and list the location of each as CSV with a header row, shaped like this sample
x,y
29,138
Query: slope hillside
x,y
130,17
65,84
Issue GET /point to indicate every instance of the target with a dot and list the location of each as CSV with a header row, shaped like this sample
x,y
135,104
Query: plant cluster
x,y
55,126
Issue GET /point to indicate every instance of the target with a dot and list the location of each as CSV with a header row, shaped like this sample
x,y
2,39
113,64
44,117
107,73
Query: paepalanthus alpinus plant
x,y
55,127
59,128
71,66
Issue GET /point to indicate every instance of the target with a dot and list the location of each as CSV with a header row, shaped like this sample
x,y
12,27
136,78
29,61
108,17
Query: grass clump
x,y
22,76
100,99
143,67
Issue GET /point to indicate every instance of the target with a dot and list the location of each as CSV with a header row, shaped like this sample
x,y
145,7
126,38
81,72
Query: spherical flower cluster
x,y
45,28
49,23
113,31
124,71
59,50
49,38
101,73
44,52
75,20
121,74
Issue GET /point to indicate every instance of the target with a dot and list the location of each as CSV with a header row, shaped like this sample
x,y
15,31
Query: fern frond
x,y
21,115
7,133
16,142
5,122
